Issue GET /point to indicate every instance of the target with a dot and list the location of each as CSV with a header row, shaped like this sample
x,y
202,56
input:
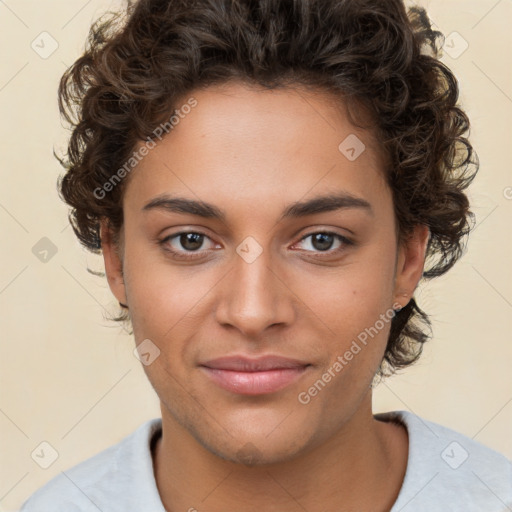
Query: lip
x,y
254,376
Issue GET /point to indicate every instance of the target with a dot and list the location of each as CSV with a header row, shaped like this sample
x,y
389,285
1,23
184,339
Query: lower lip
x,y
254,383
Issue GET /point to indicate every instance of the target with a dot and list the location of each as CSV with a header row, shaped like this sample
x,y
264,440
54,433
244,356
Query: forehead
x,y
258,145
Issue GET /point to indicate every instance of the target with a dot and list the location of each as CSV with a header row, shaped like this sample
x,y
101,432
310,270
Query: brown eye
x,y
323,242
186,244
191,241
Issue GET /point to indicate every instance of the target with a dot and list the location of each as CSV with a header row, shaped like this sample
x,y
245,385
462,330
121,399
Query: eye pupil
x,y
325,240
195,238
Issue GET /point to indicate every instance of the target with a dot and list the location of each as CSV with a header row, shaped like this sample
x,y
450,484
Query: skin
x,y
253,152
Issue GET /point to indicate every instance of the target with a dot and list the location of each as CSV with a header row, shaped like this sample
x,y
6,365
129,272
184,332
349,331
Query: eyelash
x,y
197,254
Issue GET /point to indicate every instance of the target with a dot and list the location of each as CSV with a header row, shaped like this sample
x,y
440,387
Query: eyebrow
x,y
313,206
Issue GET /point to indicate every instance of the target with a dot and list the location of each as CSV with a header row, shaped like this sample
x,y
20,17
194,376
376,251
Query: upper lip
x,y
247,364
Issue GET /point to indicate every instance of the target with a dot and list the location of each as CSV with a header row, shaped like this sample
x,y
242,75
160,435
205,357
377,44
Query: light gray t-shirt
x,y
446,471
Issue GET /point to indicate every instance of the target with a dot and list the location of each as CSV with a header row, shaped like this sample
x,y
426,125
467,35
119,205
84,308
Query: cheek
x,y
352,297
158,296
353,304
163,305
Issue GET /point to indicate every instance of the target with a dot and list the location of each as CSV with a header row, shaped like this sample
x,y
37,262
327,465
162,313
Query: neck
x,y
361,468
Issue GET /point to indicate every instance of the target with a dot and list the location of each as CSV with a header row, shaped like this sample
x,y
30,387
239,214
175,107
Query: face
x,y
271,312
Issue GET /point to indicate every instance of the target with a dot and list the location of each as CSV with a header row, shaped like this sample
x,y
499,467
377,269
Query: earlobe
x,y
410,264
113,262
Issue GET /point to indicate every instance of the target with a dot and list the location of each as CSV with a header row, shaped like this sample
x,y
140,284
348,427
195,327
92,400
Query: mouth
x,y
247,376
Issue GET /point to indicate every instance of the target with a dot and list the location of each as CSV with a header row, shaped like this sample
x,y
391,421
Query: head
x,y
268,178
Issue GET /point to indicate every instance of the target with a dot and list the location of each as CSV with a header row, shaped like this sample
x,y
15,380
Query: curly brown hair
x,y
372,53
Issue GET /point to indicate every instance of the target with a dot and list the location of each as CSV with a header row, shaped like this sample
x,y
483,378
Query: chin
x,y
254,454
254,448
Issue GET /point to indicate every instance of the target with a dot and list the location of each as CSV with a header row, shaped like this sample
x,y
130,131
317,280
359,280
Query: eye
x,y
190,244
179,244
323,241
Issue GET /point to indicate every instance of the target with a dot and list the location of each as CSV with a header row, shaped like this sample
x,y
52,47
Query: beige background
x,y
70,378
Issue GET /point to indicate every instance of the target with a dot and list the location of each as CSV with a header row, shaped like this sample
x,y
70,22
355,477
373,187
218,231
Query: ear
x,y
113,262
410,264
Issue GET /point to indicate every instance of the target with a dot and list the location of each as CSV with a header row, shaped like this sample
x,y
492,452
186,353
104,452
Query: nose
x,y
254,297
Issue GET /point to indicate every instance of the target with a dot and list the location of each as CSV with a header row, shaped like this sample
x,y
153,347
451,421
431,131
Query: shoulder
x,y
447,470
103,479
